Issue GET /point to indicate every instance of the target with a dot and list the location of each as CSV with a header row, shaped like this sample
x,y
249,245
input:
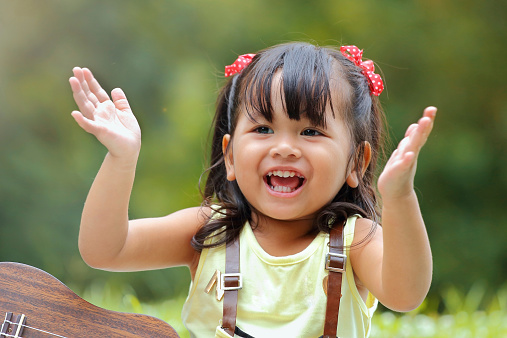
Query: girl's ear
x,y
229,163
360,165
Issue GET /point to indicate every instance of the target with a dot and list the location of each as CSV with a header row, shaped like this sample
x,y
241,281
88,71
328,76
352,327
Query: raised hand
x,y
110,121
397,179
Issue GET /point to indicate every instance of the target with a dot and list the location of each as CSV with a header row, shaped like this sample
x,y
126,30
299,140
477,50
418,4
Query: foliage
x,y
168,57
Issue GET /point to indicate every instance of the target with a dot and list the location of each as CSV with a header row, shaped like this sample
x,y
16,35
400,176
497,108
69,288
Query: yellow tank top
x,y
281,296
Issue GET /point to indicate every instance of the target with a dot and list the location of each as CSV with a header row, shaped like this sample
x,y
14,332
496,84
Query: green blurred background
x,y
168,56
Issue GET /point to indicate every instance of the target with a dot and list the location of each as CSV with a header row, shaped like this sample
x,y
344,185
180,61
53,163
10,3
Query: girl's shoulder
x,y
189,220
366,231
179,229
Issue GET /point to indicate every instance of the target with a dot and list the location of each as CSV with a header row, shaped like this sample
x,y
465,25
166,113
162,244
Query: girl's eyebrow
x,y
313,124
255,116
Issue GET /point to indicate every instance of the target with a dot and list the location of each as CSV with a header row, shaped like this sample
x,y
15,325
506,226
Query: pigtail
x,y
223,196
216,172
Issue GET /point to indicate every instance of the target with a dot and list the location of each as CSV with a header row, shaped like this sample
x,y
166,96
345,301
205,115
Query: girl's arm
x,y
107,239
396,265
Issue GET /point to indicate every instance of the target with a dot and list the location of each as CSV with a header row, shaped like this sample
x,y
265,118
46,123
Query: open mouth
x,y
284,181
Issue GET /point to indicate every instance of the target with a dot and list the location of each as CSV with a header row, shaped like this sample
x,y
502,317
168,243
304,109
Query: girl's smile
x,y
284,182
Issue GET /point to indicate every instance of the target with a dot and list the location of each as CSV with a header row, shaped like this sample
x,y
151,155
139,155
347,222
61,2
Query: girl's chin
x,y
282,214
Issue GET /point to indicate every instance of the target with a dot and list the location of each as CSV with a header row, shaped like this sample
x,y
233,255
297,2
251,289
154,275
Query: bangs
x,y
306,73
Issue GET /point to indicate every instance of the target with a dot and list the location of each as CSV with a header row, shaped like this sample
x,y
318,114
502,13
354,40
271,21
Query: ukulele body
x,y
48,308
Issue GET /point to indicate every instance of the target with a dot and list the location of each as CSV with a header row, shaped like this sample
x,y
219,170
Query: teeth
x,y
284,173
282,189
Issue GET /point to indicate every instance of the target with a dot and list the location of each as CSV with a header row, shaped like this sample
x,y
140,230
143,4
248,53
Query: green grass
x,y
456,314
472,314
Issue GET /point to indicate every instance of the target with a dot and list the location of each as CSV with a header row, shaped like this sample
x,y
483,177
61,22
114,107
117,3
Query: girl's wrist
x,y
123,163
398,200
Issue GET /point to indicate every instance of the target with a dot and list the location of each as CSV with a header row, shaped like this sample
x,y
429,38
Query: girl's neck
x,y
283,238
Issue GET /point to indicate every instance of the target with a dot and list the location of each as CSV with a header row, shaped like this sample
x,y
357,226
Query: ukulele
x,y
36,304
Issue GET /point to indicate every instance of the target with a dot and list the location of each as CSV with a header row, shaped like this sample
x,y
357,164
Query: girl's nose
x,y
286,148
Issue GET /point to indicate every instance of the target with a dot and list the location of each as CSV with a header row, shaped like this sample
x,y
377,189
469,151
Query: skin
x,y
395,265
317,153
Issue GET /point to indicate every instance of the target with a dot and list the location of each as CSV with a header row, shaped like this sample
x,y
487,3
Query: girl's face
x,y
288,169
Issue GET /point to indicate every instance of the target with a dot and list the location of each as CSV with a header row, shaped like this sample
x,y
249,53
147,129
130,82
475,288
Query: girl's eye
x,y
310,132
264,130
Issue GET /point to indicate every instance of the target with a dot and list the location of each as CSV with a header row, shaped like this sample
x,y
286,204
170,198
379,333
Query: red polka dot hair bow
x,y
355,55
238,65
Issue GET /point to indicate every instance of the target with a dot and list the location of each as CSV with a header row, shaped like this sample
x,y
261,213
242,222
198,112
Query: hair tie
x,y
230,103
241,62
355,54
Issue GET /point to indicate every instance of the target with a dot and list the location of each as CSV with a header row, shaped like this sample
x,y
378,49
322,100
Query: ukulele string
x,y
29,327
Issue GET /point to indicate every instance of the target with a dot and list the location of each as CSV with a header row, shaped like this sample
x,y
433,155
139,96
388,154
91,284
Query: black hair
x,y
310,76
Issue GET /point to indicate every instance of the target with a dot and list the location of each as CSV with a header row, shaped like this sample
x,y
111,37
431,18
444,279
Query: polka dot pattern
x,y
355,55
241,62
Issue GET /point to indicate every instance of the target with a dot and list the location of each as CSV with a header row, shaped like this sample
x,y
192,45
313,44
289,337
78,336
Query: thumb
x,y
87,124
120,100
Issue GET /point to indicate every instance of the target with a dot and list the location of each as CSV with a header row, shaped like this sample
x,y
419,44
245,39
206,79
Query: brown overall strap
x,y
231,282
335,263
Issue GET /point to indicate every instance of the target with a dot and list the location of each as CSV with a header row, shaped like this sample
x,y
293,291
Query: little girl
x,y
288,232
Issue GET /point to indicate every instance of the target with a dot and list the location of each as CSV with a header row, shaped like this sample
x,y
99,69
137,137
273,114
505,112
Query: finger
x,y
393,158
400,150
85,105
425,124
417,134
120,100
407,162
410,129
94,86
79,75
403,161
430,112
87,124
83,75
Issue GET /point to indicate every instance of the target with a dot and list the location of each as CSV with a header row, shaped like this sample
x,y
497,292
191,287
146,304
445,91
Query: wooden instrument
x,y
36,304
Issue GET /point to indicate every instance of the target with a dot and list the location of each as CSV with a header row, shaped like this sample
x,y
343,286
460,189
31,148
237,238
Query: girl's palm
x,y
397,179
110,121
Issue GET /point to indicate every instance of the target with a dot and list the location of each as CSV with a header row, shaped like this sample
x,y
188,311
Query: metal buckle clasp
x,y
226,288
329,256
